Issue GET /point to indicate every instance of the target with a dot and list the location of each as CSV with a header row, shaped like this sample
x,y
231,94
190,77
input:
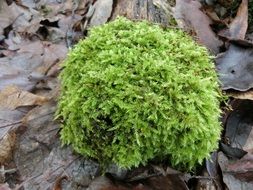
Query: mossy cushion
x,y
132,92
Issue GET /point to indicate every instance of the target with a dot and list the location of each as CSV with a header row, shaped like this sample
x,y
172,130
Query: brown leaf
x,y
7,144
248,95
230,180
189,16
238,27
40,158
242,169
30,59
103,9
12,97
57,185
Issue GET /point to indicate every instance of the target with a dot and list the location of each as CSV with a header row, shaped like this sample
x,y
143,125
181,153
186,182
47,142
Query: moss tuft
x,y
132,92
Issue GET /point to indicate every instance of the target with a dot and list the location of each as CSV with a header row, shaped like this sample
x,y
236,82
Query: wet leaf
x,y
239,126
235,68
189,16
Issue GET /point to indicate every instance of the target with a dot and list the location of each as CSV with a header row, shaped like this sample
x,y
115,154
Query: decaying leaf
x,y
12,97
40,158
7,144
229,178
238,27
235,67
4,186
248,95
239,126
189,16
242,169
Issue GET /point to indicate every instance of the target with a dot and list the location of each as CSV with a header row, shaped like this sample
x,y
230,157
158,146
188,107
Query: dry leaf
x,y
7,144
12,97
103,9
40,158
248,95
4,186
189,16
238,27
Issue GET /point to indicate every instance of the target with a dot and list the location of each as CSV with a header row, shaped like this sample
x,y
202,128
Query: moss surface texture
x,y
133,92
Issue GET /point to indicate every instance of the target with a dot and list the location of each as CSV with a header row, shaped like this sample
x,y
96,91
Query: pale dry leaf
x,y
4,186
5,17
248,95
103,9
12,97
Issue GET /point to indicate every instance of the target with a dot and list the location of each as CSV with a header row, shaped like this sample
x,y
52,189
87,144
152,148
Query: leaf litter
x,y
34,40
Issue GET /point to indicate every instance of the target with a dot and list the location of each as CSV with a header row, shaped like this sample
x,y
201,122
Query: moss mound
x,y
132,92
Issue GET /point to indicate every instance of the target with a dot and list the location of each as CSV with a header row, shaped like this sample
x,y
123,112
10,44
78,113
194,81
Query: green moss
x,y
132,92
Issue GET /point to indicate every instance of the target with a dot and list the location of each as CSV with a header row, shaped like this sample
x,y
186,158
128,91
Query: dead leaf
x,y
57,185
239,126
235,68
248,95
231,182
7,144
189,17
40,158
12,97
4,186
103,9
238,27
242,169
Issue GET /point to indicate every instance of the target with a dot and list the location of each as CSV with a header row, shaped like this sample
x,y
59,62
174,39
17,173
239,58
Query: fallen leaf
x,y
238,27
40,158
4,186
103,9
189,16
57,185
231,182
239,126
10,120
248,95
12,97
235,67
7,144
242,169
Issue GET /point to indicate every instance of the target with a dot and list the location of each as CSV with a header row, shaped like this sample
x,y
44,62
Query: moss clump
x,y
132,92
